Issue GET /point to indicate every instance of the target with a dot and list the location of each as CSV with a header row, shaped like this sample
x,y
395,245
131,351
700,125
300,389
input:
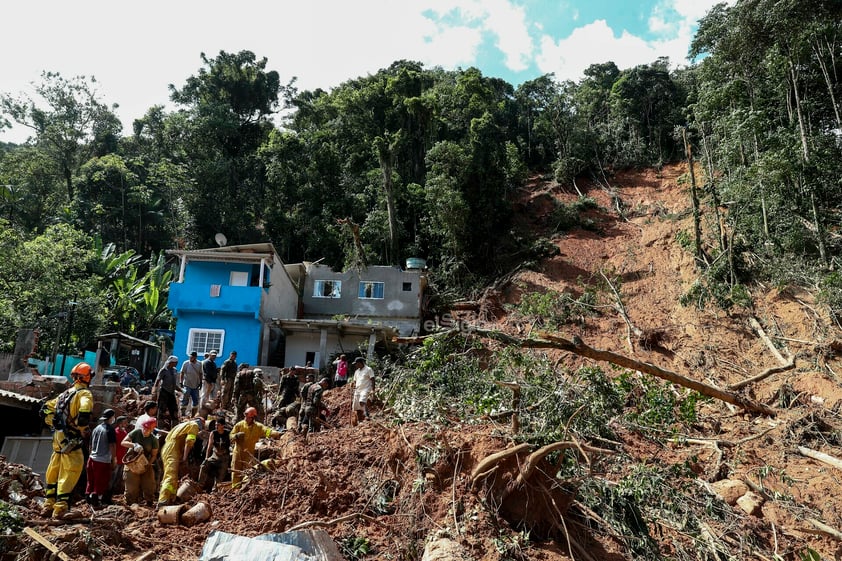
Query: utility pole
x,y
67,335
61,316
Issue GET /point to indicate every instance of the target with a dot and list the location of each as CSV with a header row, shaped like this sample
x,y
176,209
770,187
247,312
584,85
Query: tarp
x,y
307,545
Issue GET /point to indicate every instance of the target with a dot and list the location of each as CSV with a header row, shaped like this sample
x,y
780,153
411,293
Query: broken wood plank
x,y
32,533
820,456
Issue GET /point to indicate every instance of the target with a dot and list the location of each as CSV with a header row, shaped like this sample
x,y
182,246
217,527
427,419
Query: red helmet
x,y
82,372
250,412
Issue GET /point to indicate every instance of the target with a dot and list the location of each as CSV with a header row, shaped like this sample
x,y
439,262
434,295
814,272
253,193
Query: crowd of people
x,y
186,424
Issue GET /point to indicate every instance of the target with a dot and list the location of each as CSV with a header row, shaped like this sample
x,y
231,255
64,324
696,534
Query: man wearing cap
x,y
210,372
363,389
227,373
245,435
166,384
177,446
102,460
191,383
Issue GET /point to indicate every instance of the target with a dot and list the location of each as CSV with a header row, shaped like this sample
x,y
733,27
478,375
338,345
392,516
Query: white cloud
x,y
672,25
509,24
591,44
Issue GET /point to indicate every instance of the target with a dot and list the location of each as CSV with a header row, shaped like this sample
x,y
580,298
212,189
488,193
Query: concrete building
x,y
350,311
224,299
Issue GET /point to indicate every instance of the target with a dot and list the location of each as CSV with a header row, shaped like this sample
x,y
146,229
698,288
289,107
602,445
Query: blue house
x,y
225,298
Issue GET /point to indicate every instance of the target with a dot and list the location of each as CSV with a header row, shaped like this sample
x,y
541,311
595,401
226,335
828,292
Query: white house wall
x,y
298,344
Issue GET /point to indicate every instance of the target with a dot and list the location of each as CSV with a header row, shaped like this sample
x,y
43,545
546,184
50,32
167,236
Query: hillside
x,y
397,487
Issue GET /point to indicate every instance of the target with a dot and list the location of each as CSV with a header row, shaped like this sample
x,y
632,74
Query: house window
x,y
407,287
371,290
239,278
327,289
205,340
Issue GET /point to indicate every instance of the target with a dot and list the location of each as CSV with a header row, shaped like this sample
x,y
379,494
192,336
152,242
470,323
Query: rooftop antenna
x,y
221,240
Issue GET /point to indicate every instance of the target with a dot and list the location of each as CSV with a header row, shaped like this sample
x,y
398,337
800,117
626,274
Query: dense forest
x,y
415,161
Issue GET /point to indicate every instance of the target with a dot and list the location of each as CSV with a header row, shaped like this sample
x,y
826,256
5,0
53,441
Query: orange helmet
x,y
82,372
250,412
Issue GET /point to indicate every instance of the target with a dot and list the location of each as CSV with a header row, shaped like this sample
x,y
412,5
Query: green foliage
x,y
553,309
40,276
354,548
656,404
830,294
512,546
569,216
651,492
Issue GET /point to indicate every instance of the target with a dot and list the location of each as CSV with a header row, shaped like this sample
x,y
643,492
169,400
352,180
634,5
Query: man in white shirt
x,y
363,389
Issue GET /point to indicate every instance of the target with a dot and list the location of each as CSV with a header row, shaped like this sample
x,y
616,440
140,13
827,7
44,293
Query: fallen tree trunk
x,y
576,346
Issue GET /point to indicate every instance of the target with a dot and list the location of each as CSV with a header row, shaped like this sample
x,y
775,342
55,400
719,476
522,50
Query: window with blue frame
x,y
371,290
327,289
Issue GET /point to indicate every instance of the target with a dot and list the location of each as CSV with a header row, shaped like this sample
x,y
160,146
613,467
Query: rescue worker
x,y
68,415
311,406
141,486
287,388
177,446
245,435
102,459
217,456
227,373
310,380
248,390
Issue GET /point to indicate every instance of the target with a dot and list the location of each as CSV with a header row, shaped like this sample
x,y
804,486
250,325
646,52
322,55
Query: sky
x,y
135,50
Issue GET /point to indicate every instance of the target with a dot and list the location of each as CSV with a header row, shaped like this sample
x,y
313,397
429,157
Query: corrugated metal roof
x,y
18,396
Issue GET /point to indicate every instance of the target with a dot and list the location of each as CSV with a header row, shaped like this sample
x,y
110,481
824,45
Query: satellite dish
x,y
221,240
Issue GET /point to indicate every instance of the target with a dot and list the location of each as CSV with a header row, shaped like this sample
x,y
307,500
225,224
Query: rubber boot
x,y
47,509
59,510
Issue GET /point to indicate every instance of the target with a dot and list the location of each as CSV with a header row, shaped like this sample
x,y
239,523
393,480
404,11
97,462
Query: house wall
x,y
298,344
398,307
282,297
242,334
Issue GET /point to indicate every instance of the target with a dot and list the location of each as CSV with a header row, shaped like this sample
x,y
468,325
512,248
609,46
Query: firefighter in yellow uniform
x,y
68,415
245,435
177,446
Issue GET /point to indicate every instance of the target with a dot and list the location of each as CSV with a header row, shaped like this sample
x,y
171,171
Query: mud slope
x,y
399,487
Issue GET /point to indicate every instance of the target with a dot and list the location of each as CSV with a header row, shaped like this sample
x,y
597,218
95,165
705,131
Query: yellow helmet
x,y
82,372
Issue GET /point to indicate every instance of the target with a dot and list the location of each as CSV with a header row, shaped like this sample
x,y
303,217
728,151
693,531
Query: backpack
x,y
61,416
